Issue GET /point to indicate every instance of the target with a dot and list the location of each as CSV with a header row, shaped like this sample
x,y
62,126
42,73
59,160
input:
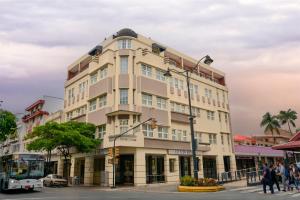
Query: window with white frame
x,y
102,101
147,130
198,137
176,83
212,139
146,70
171,81
123,125
184,136
174,135
101,131
123,96
94,78
172,106
160,75
210,115
124,64
162,132
146,99
161,103
93,105
179,134
181,86
103,73
124,44
196,89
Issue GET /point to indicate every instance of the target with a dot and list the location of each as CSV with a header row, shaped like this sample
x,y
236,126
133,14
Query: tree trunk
x,y
289,127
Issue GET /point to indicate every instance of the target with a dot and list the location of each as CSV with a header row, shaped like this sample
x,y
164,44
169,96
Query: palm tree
x,y
288,117
270,123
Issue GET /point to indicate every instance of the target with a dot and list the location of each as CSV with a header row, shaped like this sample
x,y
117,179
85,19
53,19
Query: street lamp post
x,y
185,73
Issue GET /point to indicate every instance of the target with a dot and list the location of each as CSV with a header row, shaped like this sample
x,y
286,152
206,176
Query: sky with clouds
x,y
256,43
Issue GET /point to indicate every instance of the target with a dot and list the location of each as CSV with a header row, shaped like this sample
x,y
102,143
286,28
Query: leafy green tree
x,y
75,135
64,137
288,117
7,124
43,139
270,123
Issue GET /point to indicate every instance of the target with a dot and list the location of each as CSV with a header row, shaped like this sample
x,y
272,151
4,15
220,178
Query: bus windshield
x,y
23,169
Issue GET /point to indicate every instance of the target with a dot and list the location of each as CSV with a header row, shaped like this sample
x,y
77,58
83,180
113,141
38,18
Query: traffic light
x,y
153,123
117,151
110,152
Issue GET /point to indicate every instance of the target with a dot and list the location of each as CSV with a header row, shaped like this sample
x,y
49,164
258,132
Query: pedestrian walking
x,y
283,173
274,177
295,175
267,180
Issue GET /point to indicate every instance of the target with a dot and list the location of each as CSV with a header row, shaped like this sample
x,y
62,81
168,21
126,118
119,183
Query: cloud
x,y
256,43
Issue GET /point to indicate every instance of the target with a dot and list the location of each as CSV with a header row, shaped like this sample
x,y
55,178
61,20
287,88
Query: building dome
x,y
126,32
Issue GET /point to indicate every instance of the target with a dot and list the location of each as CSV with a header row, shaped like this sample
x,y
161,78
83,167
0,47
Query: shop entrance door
x,y
185,166
209,167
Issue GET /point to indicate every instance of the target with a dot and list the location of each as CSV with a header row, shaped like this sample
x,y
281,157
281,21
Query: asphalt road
x,y
92,193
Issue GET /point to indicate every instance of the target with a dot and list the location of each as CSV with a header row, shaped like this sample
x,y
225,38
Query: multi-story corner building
x,y
121,83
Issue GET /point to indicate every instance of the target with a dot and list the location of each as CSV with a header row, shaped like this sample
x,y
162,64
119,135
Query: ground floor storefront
x,y
252,157
140,166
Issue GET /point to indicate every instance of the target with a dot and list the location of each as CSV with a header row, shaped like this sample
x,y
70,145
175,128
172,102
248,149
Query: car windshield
x,y
57,176
21,169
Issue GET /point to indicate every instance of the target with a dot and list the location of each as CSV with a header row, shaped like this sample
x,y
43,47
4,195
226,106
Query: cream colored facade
x,y
119,84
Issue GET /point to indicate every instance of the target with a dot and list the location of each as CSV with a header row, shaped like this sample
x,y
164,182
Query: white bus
x,y
21,171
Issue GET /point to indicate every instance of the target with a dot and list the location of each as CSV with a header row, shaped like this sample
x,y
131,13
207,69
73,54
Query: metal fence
x,y
254,177
234,175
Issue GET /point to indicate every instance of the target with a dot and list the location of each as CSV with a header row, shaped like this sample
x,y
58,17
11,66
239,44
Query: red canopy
x,y
292,145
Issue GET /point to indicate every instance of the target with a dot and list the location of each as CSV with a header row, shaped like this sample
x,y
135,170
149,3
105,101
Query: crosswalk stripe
x,y
296,195
243,188
253,190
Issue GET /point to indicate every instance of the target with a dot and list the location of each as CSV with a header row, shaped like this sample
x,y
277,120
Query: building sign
x,y
182,152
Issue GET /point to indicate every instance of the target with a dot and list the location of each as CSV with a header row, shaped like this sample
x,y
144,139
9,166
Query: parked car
x,y
55,180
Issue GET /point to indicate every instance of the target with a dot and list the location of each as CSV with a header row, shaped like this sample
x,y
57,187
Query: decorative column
x,y
88,170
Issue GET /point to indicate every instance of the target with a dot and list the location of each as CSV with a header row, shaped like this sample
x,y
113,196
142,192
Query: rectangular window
x,y
146,70
212,139
196,89
176,84
174,136
101,131
198,137
163,132
123,96
124,64
181,84
124,44
160,75
228,139
147,130
172,106
172,165
184,136
93,105
179,134
94,78
102,101
146,99
103,73
226,118
123,125
171,81
222,139
210,115
161,103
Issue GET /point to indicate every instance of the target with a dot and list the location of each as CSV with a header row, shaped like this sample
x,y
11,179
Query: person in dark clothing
x,y
274,176
267,179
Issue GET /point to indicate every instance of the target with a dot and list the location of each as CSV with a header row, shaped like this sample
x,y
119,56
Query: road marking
x,y
296,195
243,188
253,190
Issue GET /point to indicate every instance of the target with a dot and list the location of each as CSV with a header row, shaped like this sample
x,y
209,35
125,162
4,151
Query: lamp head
x,y
168,73
208,60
